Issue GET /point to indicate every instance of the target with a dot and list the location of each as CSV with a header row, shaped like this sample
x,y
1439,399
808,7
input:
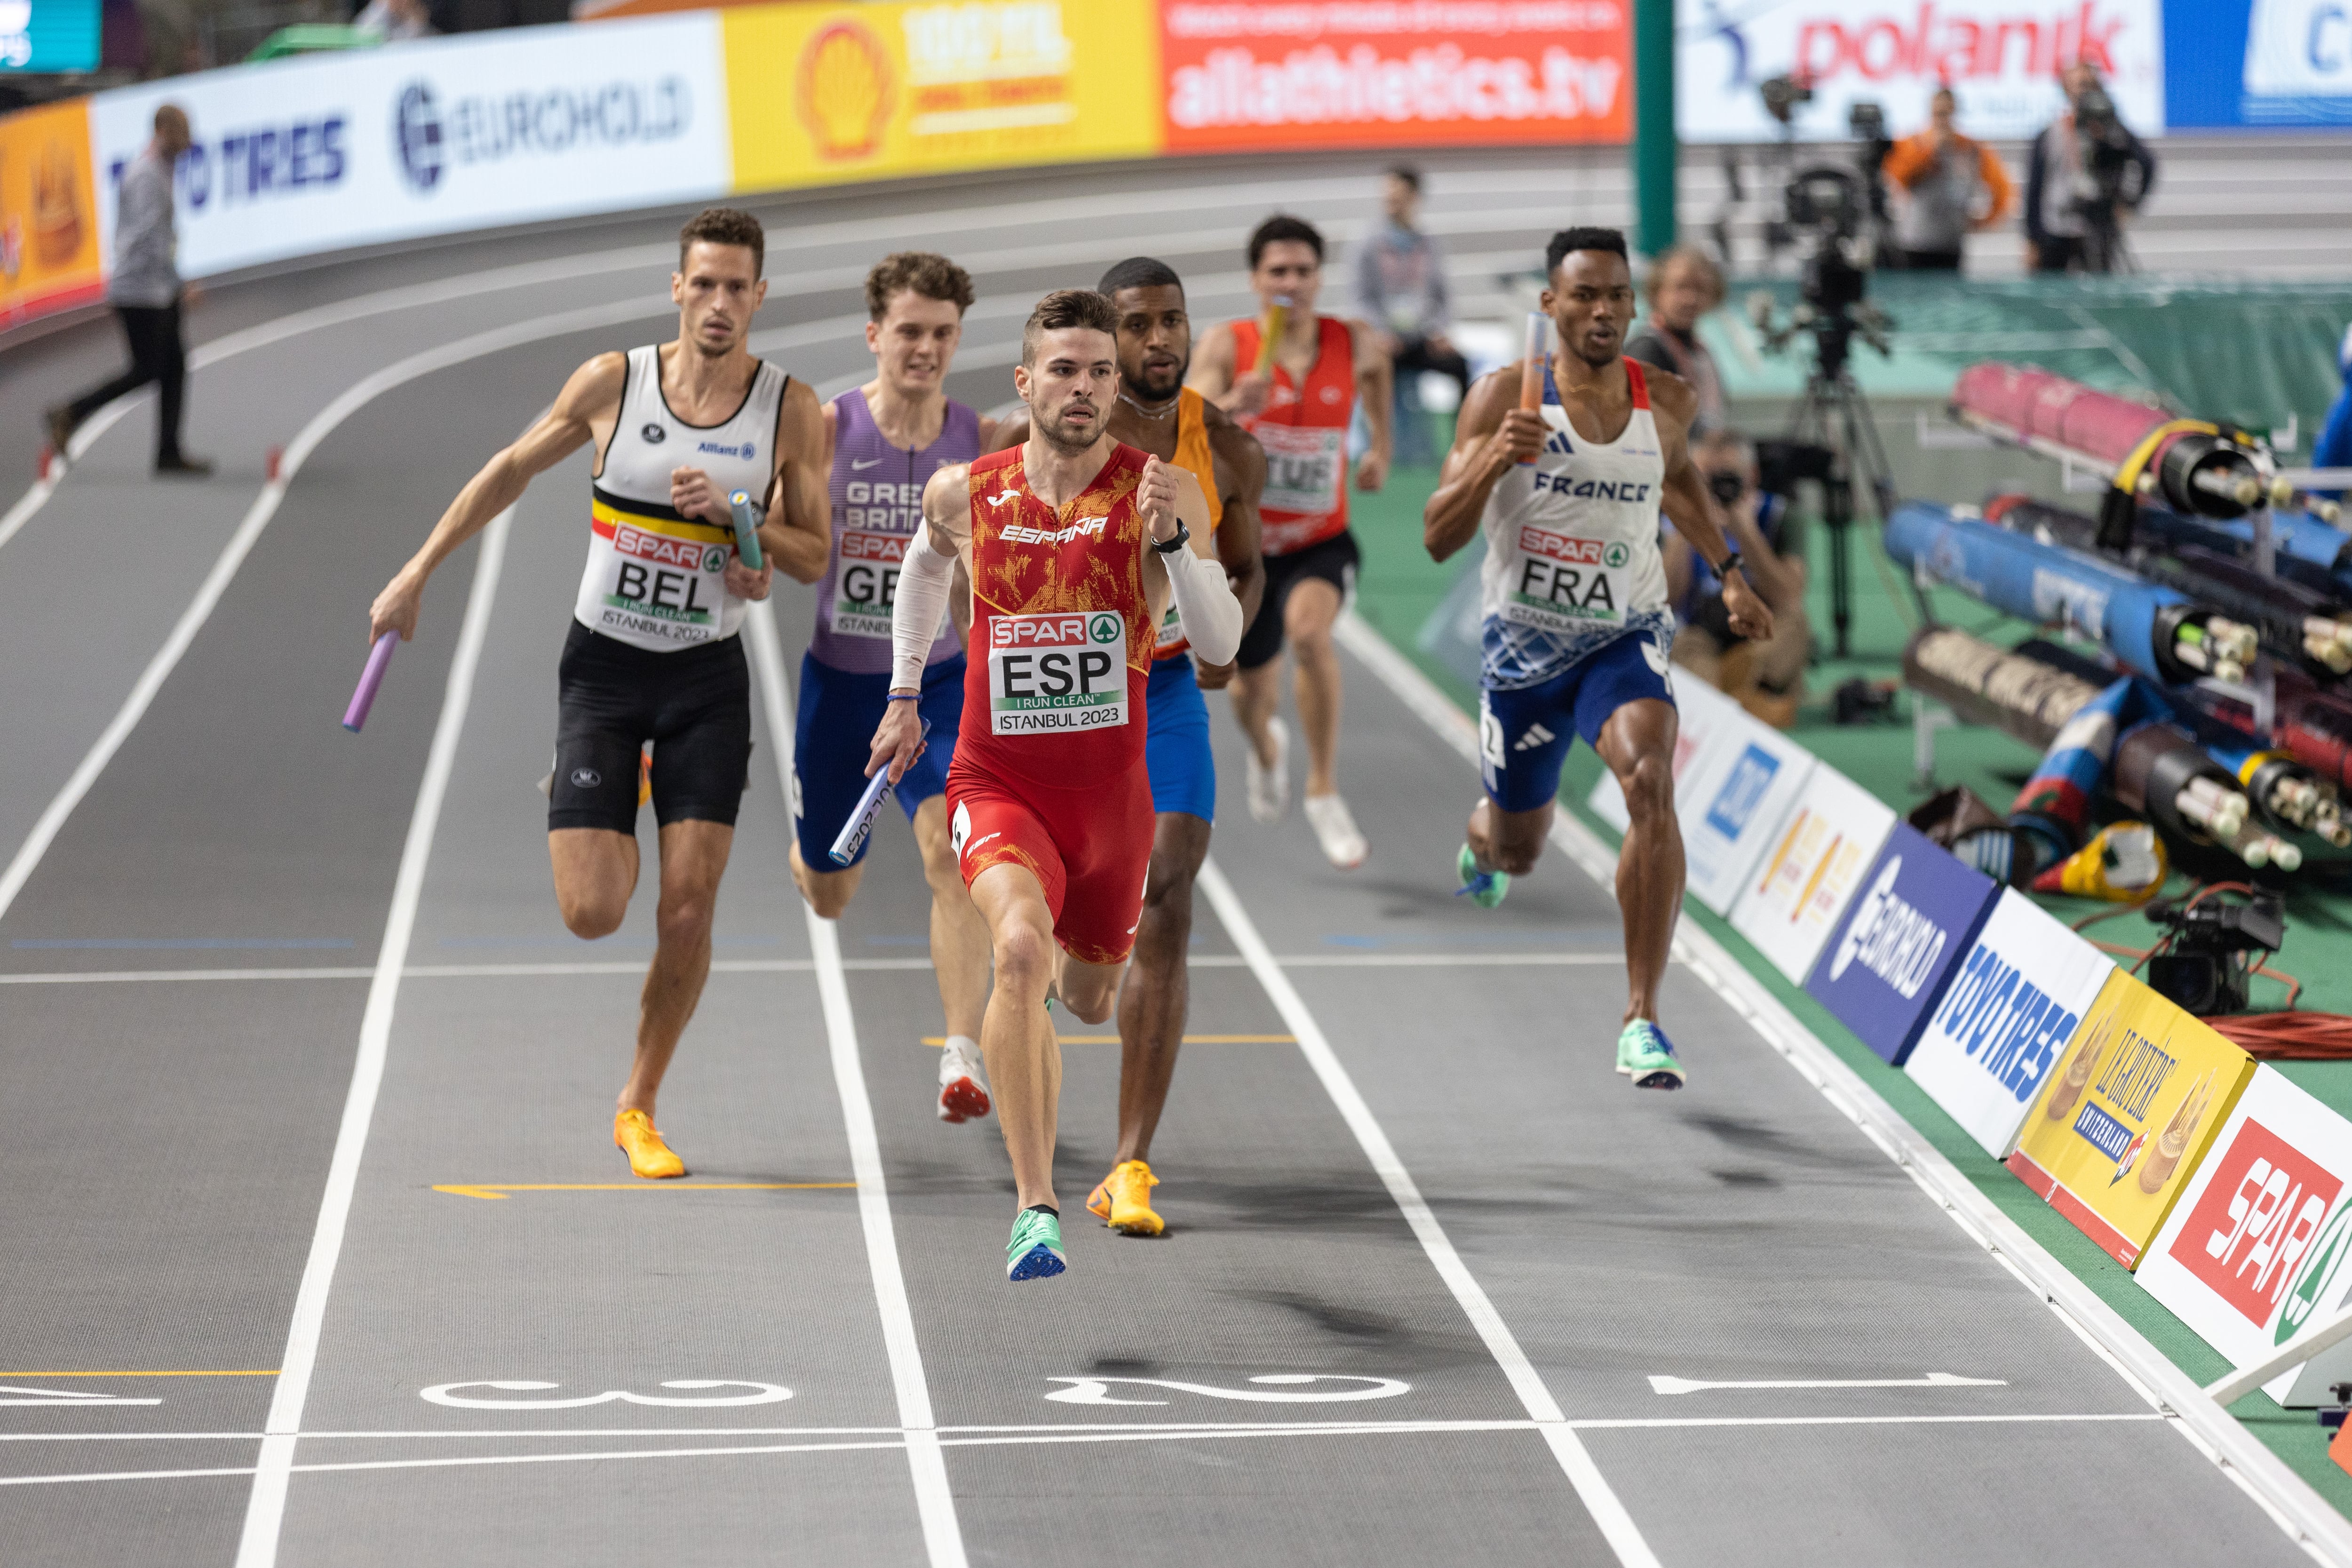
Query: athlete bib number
x,y
657,585
1561,583
866,584
1051,675
1171,627
1304,466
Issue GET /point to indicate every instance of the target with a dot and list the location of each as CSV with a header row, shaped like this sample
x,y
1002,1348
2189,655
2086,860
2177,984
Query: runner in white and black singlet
x,y
1577,628
884,441
653,654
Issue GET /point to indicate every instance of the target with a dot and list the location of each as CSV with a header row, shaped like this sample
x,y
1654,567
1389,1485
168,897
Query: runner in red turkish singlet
x,y
1075,545
1295,381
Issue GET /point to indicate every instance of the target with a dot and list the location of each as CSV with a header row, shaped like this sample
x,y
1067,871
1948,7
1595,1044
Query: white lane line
x,y
266,1510
974,1436
152,976
1660,1384
1600,1499
934,1498
2305,1517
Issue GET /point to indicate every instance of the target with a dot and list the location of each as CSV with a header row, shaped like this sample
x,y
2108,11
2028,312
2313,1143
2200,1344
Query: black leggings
x,y
156,355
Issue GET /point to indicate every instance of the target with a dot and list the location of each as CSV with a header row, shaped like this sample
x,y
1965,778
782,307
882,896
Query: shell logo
x,y
845,90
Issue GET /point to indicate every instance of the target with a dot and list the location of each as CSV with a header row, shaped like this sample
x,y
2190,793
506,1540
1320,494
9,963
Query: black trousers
x,y
1414,355
2061,253
156,355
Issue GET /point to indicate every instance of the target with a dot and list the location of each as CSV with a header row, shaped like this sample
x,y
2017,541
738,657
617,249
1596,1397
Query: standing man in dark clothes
x,y
2081,157
147,294
1401,290
1683,285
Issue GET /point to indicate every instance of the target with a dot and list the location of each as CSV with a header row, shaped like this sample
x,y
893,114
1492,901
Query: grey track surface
x,y
169,1138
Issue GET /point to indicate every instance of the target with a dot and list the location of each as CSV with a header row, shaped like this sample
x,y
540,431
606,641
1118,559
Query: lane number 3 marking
x,y
449,1393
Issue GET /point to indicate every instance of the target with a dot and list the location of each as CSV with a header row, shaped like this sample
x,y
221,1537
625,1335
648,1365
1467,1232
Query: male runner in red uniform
x,y
1159,415
1298,397
1073,545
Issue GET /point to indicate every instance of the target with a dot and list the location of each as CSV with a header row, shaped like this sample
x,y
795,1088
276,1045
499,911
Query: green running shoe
x,y
1035,1250
1648,1056
1484,889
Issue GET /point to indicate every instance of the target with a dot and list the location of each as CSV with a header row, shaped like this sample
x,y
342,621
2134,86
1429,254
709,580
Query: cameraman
x,y
1951,186
2086,173
1767,678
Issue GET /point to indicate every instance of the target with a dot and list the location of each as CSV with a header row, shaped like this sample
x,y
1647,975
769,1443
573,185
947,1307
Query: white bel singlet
x,y
1572,560
654,579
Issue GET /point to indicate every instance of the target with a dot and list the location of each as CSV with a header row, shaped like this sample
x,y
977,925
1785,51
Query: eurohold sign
x,y
2015,996
2255,1250
1913,926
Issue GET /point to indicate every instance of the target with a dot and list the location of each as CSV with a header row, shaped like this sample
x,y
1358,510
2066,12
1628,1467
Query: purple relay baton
x,y
869,807
379,660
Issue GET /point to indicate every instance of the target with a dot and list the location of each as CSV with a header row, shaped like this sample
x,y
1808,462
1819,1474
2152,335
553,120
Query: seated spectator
x,y
1401,290
1767,678
1949,188
1683,285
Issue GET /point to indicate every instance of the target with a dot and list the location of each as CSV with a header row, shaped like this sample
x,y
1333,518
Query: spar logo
x,y
1894,941
2005,1023
2257,1220
2324,1261
1053,631
662,551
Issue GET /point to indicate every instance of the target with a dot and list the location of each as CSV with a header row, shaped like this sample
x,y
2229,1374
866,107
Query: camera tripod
x,y
1834,426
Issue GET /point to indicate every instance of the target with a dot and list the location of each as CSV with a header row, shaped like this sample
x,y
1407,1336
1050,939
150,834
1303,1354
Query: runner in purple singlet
x,y
884,440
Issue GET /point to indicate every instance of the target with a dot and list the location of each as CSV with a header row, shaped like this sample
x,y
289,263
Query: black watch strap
x,y
1731,563
1169,547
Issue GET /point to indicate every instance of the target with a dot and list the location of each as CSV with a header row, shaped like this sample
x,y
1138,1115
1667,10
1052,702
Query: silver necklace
x,y
1162,412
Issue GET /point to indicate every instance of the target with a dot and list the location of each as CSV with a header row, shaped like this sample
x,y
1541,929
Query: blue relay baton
x,y
747,529
869,807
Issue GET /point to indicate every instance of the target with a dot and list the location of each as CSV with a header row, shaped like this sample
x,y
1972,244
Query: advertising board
x,y
1249,75
2128,1115
49,220
48,35
2013,1004
1703,715
1810,872
301,156
2000,58
1912,926
2255,1250
1738,793
2258,63
829,92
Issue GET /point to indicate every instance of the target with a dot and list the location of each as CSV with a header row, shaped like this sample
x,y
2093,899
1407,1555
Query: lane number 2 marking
x,y
1287,1388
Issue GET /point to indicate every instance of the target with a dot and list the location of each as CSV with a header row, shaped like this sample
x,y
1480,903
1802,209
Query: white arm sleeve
x,y
924,579
1212,616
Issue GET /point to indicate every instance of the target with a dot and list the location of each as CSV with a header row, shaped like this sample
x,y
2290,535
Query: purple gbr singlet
x,y
878,503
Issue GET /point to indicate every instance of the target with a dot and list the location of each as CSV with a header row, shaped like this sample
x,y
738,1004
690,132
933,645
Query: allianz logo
x,y
1892,939
748,451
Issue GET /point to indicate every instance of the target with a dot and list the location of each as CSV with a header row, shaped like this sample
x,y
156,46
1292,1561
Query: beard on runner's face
x,y
1157,378
1073,424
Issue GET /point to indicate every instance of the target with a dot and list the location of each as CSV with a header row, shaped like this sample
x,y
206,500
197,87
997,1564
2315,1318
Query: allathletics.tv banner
x,y
2254,1251
1251,76
825,93
1883,968
2126,1118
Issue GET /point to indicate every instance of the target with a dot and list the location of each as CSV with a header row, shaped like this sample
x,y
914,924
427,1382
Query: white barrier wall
x,y
302,156
1791,902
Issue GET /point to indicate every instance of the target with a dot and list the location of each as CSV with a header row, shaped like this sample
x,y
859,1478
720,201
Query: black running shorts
x,y
694,705
1334,560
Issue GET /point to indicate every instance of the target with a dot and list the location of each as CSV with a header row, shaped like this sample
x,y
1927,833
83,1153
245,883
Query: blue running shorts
x,y
1524,733
1176,751
834,735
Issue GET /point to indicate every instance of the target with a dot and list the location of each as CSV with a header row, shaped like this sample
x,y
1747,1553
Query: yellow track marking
x,y
498,1190
1189,1040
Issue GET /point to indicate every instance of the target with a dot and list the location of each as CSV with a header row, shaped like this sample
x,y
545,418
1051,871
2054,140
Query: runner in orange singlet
x,y
1298,401
1074,544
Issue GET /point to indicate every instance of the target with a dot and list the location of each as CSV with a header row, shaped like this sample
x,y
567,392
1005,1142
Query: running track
x,y
268,992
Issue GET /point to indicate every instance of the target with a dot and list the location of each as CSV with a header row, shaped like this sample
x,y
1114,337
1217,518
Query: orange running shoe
x,y
1123,1200
634,1135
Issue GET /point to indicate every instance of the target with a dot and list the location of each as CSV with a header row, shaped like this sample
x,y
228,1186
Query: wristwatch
x,y
1731,563
1169,547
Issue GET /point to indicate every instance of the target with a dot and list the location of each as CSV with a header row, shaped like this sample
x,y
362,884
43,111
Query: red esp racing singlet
x,y
1304,430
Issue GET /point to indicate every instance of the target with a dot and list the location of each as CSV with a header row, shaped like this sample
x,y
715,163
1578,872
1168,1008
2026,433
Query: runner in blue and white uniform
x,y
1577,628
885,440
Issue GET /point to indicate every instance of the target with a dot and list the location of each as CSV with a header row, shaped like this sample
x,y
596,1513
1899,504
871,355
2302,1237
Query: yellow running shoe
x,y
634,1135
1123,1200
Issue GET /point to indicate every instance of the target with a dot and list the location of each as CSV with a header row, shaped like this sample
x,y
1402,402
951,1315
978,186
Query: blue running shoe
x,y
1648,1056
1484,889
1035,1250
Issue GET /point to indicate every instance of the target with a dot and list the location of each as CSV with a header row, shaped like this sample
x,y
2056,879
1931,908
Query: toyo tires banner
x,y
297,157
